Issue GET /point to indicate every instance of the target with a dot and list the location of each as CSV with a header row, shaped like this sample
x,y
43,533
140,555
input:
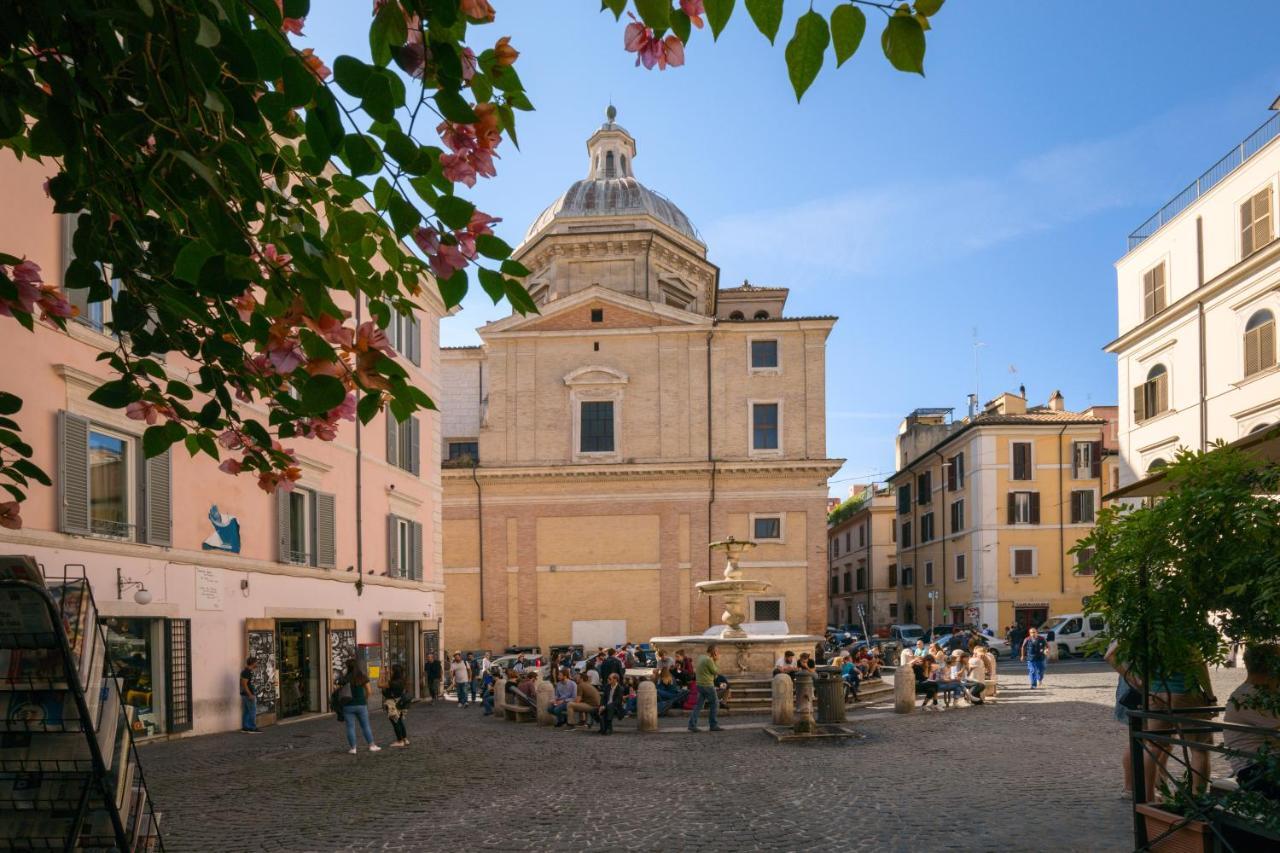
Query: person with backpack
x,y
461,674
1034,650
395,700
353,692
435,674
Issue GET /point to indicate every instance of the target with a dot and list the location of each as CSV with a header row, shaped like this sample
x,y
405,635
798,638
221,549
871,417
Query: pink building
x,y
350,557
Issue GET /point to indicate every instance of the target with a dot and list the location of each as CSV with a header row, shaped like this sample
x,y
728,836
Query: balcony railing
x,y
1234,158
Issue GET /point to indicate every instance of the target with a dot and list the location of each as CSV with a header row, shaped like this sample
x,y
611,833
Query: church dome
x,y
611,189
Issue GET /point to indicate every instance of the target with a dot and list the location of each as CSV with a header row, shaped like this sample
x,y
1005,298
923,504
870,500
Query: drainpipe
x,y
1062,529
1204,414
711,498
475,461
360,488
942,523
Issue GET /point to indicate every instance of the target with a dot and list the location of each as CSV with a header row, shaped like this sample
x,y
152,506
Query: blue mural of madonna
x,y
226,532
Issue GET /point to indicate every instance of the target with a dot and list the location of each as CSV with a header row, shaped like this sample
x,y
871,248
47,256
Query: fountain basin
x,y
753,655
731,586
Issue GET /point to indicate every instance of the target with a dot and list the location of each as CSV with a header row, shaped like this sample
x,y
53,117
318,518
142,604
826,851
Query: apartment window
x,y
111,484
926,528
1086,459
906,534
893,574
1151,398
1156,464
764,355
736,315
928,573
597,315
1259,343
960,567
105,487
861,578
1024,562
893,530
893,610
924,488
766,610
1082,506
596,427
767,527
955,472
1084,561
1021,460
1255,223
847,580
847,540
402,443
464,451
904,499
1024,508
404,333
908,576
1154,298
299,526
835,584
957,516
764,426
835,547
862,535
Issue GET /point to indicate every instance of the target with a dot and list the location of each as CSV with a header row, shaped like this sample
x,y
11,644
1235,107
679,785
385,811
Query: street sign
x,y
862,611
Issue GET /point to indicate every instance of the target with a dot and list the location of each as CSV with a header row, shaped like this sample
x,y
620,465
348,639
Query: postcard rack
x,y
69,772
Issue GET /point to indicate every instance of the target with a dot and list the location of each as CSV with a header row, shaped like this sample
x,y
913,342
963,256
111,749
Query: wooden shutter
x,y
177,641
157,500
1035,507
393,438
1139,404
1022,562
415,428
1076,510
260,643
73,474
1013,507
326,556
1162,393
1246,228
951,474
1252,352
1021,460
393,549
416,566
1095,459
415,341
282,526
1267,345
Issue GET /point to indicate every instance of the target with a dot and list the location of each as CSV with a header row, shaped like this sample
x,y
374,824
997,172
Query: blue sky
x,y
995,194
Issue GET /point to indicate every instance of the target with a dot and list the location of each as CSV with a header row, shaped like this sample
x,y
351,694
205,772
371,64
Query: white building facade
x,y
1199,298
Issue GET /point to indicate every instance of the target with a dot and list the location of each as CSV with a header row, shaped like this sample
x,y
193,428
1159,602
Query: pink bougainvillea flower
x,y
53,303
346,411
327,367
322,428
315,64
275,257
10,515
143,410
331,329
650,50
370,338
244,305
269,481
231,439
27,272
469,62
231,466
503,53
149,147
481,223
694,11
26,276
477,10
45,187
458,169
445,258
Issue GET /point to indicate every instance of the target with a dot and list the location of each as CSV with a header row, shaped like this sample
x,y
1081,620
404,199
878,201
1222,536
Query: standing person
x,y
1034,649
486,690
610,707
395,699
1016,637
249,698
612,665
461,674
435,674
476,673
1128,698
1262,666
353,686
705,673
986,631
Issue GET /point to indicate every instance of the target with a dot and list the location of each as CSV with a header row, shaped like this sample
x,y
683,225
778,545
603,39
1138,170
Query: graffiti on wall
x,y
226,532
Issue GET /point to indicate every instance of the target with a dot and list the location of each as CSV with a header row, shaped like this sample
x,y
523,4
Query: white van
x,y
1073,630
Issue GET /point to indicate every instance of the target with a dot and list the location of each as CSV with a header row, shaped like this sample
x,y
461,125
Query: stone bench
x,y
516,713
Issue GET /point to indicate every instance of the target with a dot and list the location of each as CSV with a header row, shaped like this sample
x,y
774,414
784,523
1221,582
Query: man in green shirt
x,y
705,671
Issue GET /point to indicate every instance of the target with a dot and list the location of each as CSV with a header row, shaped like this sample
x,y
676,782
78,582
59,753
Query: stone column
x,y
545,694
499,696
904,690
647,706
784,700
804,724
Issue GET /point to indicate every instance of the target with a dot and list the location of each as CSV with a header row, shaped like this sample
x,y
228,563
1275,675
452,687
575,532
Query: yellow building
x,y
988,507
863,559
644,413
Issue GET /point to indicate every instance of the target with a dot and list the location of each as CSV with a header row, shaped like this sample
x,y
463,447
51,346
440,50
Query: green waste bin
x,y
828,689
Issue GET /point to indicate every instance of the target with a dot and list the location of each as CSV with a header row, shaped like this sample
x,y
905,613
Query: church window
x,y
597,426
597,315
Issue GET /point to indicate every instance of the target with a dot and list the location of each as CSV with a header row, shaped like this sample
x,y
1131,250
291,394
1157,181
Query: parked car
x,y
1070,631
905,635
999,648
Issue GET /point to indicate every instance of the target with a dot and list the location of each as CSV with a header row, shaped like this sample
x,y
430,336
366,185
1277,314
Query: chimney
x,y
973,405
1022,391
1056,402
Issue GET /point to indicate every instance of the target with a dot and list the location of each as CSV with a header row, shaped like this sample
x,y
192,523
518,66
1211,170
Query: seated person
x,y
486,690
566,692
722,690
584,707
852,677
922,669
1262,663
526,690
670,694
786,663
948,684
960,669
631,698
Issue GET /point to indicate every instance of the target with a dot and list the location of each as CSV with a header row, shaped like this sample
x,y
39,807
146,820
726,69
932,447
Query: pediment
x,y
596,374
616,311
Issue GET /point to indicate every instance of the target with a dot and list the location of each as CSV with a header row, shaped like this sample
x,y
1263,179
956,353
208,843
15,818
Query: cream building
x,y
863,558
645,412
988,508
1199,297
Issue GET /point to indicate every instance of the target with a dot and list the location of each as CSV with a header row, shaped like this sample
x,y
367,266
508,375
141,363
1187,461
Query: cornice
x,y
647,470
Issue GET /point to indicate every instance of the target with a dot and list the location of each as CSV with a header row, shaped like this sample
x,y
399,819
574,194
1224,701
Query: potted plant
x,y
1178,582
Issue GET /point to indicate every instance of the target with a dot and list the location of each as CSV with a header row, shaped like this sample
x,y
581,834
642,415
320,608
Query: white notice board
x,y
208,589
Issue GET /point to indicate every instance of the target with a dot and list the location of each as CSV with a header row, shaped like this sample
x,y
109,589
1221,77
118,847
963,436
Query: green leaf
x,y
453,211
928,8
718,12
207,35
369,406
453,288
454,107
404,216
378,100
30,469
519,298
351,74
388,30
494,284
848,24
617,7
804,51
299,82
515,268
768,16
116,394
361,153
655,13
680,25
321,394
492,247
181,390
9,403
903,43
159,438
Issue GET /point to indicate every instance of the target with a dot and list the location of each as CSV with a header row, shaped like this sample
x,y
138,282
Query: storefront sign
x,y
208,589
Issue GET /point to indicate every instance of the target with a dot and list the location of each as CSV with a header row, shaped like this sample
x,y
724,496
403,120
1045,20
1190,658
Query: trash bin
x,y
828,689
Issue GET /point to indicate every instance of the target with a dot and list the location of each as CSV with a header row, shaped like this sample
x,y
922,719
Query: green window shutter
x,y
393,548
416,569
326,532
282,526
73,474
415,455
1035,507
157,500
415,342
393,438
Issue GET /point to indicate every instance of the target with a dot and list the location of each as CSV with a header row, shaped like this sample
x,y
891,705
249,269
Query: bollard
x,y
904,690
545,694
499,696
784,700
804,724
647,706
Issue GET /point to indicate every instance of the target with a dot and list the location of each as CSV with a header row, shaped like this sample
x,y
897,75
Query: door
x,y
260,643
178,644
397,647
1030,617
430,646
298,658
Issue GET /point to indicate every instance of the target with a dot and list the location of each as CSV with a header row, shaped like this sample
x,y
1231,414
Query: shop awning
x,y
1264,445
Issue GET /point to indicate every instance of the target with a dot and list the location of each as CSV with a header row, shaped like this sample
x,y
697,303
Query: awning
x,y
1264,444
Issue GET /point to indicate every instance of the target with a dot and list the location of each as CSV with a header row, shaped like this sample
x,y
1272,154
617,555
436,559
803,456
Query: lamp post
x,y
933,597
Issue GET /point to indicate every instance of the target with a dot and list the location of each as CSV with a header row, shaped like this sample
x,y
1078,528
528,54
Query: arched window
x,y
762,315
1151,398
1259,428
623,161
736,315
1259,342
609,171
1156,465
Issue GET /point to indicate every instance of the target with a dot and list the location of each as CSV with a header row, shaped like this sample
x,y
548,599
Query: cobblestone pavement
x,y
1037,771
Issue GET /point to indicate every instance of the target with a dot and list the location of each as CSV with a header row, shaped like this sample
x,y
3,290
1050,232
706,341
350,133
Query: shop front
x,y
152,659
301,668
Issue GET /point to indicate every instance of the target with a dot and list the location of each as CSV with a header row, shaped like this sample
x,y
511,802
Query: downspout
x,y
711,497
1204,414
647,251
475,461
1062,528
942,523
360,488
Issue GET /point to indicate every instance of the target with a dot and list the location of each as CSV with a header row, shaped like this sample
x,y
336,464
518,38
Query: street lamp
x,y
142,596
933,596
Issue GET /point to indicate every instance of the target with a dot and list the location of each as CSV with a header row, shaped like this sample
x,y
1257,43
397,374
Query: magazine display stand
x,y
69,773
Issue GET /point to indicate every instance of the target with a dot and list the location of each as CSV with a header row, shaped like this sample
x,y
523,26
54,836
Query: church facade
x,y
595,449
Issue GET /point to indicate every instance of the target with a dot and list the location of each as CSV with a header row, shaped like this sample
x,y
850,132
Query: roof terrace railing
x,y
1235,158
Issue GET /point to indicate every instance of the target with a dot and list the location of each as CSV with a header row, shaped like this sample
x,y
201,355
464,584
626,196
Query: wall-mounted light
x,y
142,596
244,587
